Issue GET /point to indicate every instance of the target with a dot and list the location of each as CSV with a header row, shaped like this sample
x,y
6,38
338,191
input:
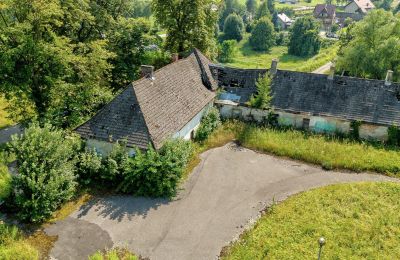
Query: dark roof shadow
x,y
120,207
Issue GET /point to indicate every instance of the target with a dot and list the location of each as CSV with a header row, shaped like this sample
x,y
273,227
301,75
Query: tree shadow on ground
x,y
121,207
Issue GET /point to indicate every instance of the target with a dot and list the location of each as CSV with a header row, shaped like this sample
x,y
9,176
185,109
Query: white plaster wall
x,y
351,8
373,132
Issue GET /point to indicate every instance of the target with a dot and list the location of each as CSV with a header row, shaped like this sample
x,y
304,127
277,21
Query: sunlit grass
x,y
330,153
248,58
114,254
359,221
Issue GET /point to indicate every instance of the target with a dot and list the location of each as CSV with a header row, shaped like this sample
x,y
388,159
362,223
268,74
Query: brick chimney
x,y
332,71
147,71
274,66
389,78
174,57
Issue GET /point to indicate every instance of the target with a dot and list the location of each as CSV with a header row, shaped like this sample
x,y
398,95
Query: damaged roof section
x,y
371,101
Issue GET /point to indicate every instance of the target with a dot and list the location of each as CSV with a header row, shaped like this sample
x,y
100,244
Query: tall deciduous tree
x,y
263,35
373,46
233,28
304,37
251,6
39,66
189,24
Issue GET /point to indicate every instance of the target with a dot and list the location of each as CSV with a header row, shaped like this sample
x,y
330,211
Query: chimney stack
x,y
147,71
389,78
174,57
274,67
332,71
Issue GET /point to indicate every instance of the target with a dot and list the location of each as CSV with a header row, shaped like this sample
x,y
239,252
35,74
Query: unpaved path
x,y
224,193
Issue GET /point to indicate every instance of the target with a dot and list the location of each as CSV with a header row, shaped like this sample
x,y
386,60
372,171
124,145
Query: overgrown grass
x,y
359,221
5,182
14,246
4,120
248,58
114,254
330,153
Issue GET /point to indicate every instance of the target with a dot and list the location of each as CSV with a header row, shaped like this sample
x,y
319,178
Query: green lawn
x,y
330,153
248,58
358,221
4,121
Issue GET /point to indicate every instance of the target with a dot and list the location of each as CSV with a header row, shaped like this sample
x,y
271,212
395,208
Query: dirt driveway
x,y
223,195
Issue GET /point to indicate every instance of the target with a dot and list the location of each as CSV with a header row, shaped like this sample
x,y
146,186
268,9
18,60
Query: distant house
x,y
326,14
167,103
342,16
359,6
284,21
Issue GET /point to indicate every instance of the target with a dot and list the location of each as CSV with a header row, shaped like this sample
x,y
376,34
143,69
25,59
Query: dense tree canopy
x,y
251,6
304,37
189,24
263,35
372,47
233,28
230,7
59,58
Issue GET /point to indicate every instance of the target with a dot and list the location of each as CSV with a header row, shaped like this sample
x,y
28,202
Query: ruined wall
x,y
318,124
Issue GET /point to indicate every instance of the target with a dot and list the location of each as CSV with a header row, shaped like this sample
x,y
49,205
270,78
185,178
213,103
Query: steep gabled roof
x,y
284,18
349,98
152,110
364,5
329,9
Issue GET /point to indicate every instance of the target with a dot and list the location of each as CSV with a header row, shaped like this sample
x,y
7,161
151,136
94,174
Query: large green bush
x,y
157,174
108,169
210,121
304,39
227,51
46,177
263,35
5,182
233,28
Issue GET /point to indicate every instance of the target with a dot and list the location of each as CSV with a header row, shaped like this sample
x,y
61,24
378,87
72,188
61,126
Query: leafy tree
x,y
263,35
142,8
263,10
227,51
262,99
39,67
385,4
189,23
372,47
251,6
304,37
271,6
233,28
230,7
46,176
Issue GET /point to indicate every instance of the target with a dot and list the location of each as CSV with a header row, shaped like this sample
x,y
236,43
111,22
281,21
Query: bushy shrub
x,y
393,135
282,39
46,177
263,36
210,121
233,28
262,99
108,169
227,51
157,174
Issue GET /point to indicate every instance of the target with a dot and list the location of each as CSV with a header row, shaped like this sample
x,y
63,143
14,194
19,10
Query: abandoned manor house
x,y
171,101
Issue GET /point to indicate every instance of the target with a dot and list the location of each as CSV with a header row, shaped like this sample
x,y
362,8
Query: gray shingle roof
x,y
343,97
150,111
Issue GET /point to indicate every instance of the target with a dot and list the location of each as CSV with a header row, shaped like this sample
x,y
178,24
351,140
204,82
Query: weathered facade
x,y
327,103
163,104
359,6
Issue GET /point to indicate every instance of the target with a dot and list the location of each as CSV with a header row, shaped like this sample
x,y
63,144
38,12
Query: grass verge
x,y
359,221
329,152
4,120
